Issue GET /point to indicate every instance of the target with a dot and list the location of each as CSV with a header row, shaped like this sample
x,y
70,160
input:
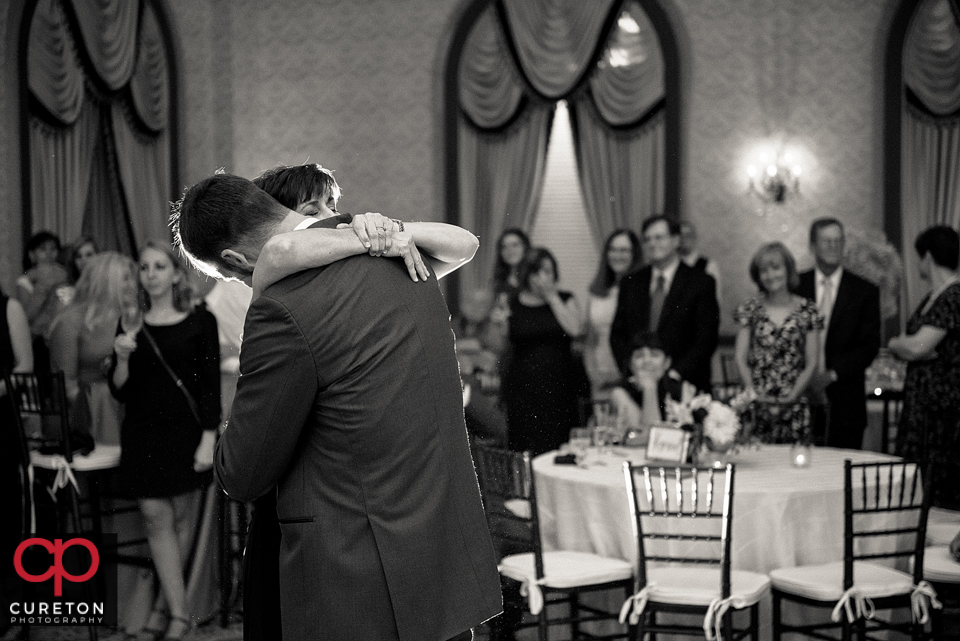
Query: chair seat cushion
x,y
825,582
941,533
700,586
940,566
564,569
103,457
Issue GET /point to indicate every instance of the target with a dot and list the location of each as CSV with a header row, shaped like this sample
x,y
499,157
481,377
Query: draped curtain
x,y
930,159
515,63
99,87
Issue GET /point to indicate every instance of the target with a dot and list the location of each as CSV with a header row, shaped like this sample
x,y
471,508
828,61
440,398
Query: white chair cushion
x,y
562,569
825,582
700,586
940,566
941,533
103,457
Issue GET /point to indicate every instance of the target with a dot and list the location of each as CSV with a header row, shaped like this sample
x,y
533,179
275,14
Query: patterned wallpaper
x,y
357,86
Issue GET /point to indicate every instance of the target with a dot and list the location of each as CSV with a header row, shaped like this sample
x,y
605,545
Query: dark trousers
x,y
261,573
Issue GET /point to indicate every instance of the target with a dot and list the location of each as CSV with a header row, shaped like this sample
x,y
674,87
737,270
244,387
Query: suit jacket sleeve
x,y
276,391
706,311
853,361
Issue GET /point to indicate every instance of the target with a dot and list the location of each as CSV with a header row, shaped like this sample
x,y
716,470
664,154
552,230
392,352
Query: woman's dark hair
x,y
776,247
38,239
501,270
605,278
72,257
943,244
531,265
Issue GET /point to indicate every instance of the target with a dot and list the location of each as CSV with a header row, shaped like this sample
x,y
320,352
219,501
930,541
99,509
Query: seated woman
x,y
640,399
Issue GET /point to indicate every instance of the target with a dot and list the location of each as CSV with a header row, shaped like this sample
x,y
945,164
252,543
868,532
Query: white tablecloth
x,y
783,516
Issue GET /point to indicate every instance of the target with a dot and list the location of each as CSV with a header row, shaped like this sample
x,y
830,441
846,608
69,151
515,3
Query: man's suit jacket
x,y
349,401
689,323
853,340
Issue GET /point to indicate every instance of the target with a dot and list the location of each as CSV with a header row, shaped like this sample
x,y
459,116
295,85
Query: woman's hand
x,y
203,457
124,345
372,229
400,243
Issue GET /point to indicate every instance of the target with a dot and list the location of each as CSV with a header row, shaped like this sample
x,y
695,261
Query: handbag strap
x,y
176,379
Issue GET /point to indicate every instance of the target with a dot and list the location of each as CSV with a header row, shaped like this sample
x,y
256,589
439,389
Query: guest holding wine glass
x,y
621,256
929,430
540,387
167,372
777,346
81,343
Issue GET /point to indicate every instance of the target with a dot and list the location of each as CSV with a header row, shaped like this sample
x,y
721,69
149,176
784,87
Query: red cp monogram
x,y
56,570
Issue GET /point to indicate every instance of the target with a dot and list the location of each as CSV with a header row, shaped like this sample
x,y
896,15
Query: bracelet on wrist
x,y
399,223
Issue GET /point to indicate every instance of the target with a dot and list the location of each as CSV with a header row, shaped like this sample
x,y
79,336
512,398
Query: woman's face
x,y
157,273
547,271
773,273
649,360
619,254
45,254
83,256
512,249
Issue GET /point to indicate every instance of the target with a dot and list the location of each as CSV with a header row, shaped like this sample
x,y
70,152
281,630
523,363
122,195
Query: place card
x,y
668,444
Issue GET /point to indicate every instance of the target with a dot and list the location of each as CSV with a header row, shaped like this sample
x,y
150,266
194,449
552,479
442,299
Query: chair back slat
x,y
42,395
886,522
681,515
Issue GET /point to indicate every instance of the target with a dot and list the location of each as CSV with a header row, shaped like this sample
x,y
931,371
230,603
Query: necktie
x,y
825,305
656,302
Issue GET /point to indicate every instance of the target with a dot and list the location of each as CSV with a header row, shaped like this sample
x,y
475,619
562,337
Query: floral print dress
x,y
929,430
776,359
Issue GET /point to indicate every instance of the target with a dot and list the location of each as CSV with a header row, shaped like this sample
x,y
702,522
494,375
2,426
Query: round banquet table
x,y
783,516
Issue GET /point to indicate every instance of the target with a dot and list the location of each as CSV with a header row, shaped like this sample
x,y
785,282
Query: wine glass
x,y
131,319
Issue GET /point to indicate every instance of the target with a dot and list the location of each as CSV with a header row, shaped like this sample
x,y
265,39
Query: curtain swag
x,y
931,57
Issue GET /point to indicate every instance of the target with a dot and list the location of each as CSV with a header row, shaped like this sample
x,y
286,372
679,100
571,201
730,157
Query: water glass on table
x,y
579,442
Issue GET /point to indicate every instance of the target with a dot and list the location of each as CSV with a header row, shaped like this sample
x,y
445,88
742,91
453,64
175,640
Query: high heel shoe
x,y
178,629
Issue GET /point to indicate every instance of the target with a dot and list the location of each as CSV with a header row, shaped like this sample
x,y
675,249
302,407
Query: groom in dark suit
x,y
851,309
671,299
349,402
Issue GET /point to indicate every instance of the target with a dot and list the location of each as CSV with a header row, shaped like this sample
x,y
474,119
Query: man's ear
x,y
237,261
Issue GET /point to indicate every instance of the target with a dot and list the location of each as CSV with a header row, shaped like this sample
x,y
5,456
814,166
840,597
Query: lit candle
x,y
800,454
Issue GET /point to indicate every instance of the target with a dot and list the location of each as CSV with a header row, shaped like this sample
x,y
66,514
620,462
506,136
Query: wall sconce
x,y
776,181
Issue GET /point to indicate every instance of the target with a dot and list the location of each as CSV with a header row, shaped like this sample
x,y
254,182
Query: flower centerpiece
x,y
715,427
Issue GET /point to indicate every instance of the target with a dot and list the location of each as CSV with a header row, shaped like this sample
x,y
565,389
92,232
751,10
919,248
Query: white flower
x,y
700,402
741,401
721,425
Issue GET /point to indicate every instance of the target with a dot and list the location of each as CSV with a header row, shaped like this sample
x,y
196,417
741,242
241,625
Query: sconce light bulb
x,y
787,158
795,171
752,171
771,170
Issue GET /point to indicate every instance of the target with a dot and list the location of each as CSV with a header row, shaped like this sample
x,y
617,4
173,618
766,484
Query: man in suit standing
x,y
672,299
350,403
851,309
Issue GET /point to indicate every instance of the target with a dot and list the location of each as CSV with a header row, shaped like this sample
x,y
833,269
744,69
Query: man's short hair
x,y
822,223
297,184
943,244
221,212
672,225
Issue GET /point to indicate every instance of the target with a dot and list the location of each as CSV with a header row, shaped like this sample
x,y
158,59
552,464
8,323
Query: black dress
x,y
929,430
541,387
159,434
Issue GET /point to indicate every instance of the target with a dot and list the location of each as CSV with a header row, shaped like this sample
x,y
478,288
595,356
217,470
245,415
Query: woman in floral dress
x,y
929,430
777,347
